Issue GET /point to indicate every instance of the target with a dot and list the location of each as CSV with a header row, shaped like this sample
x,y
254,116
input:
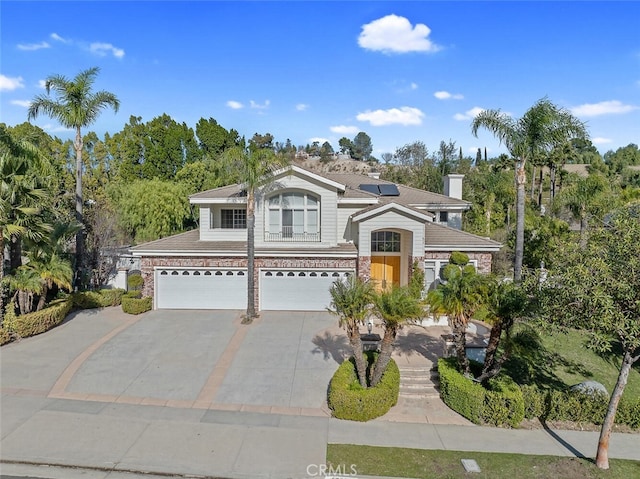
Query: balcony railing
x,y
288,236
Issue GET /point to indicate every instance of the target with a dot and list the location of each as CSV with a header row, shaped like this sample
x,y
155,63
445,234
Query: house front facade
x,y
310,230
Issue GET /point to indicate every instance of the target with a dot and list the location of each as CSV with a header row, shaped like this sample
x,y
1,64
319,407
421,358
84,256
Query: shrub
x,y
6,336
132,294
112,297
503,402
629,412
460,393
137,305
88,300
135,282
37,322
348,400
534,401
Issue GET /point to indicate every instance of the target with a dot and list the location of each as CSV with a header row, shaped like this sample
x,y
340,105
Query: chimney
x,y
453,186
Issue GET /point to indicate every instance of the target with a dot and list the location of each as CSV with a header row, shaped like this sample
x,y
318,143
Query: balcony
x,y
288,236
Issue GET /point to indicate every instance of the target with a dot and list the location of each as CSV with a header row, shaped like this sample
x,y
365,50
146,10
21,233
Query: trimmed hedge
x,y
459,393
348,400
97,299
113,297
37,322
499,404
577,406
137,305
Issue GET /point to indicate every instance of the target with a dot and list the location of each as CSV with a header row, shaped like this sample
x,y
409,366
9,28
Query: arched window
x,y
293,216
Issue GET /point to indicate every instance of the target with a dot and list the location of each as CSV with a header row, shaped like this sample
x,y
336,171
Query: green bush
x,y
132,294
460,393
137,305
348,400
37,322
577,406
113,297
88,300
503,402
6,336
135,282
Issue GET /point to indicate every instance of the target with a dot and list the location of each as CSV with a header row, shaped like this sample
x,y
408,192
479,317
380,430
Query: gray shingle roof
x,y
437,235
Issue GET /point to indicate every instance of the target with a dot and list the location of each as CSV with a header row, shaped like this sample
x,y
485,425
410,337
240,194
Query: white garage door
x,y
201,289
297,290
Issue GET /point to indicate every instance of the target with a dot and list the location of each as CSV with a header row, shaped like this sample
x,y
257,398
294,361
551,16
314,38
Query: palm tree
x,y
77,107
459,297
255,168
586,197
395,307
25,283
52,271
351,301
542,127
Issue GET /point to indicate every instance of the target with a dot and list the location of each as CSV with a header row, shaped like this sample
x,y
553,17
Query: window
x,y
233,219
293,216
385,242
444,217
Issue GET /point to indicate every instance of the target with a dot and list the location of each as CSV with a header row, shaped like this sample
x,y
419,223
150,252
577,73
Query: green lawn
x,y
562,360
418,463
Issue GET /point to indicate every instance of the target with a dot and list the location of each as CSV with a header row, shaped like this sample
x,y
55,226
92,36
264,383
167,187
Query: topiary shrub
x,y
348,400
503,402
137,305
132,294
37,322
135,282
112,297
88,300
460,393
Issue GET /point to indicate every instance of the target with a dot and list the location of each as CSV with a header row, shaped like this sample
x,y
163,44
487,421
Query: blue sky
x,y
399,71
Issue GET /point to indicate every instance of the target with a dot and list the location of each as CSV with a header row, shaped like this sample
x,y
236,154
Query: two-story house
x,y
311,229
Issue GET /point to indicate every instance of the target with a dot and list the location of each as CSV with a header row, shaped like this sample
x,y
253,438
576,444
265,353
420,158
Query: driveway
x,y
189,359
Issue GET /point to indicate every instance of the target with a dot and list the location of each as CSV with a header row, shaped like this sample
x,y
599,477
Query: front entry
x,y
385,272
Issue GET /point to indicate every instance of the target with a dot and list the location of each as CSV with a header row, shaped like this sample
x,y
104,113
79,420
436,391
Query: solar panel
x,y
389,190
369,188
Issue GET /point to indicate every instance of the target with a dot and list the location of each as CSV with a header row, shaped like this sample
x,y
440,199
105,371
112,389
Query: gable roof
x,y
378,209
444,238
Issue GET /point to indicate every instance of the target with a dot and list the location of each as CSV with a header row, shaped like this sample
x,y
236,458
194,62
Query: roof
x,y
440,237
189,244
350,182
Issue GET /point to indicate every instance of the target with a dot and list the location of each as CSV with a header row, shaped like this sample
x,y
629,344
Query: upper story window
x,y
385,242
233,219
293,216
444,217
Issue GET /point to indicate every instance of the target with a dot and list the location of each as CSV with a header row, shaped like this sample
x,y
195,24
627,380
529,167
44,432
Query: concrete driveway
x,y
188,359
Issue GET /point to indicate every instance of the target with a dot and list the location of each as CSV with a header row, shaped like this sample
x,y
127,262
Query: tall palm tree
x,y
255,169
535,134
350,301
459,297
395,307
52,270
75,106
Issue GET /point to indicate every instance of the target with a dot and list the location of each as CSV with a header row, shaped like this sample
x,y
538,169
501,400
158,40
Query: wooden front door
x,y
385,271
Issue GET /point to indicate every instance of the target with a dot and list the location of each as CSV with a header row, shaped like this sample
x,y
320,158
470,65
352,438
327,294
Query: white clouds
x,y
23,103
58,38
469,114
235,105
394,34
612,107
394,116
42,84
102,49
598,140
302,107
413,86
344,129
258,106
10,83
445,95
29,47
319,139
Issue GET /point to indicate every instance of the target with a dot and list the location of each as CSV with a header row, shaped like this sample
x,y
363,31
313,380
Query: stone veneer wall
x,y
148,264
484,259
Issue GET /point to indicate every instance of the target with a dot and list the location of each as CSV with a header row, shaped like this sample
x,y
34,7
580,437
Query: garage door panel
x,y
297,290
201,289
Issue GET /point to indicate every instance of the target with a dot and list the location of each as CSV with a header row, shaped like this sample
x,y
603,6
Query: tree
x,y
214,138
52,270
395,307
587,197
346,146
254,168
540,129
77,107
595,289
362,147
350,301
459,296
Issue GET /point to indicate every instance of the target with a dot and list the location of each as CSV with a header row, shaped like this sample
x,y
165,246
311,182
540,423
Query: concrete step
x,y
425,392
419,384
